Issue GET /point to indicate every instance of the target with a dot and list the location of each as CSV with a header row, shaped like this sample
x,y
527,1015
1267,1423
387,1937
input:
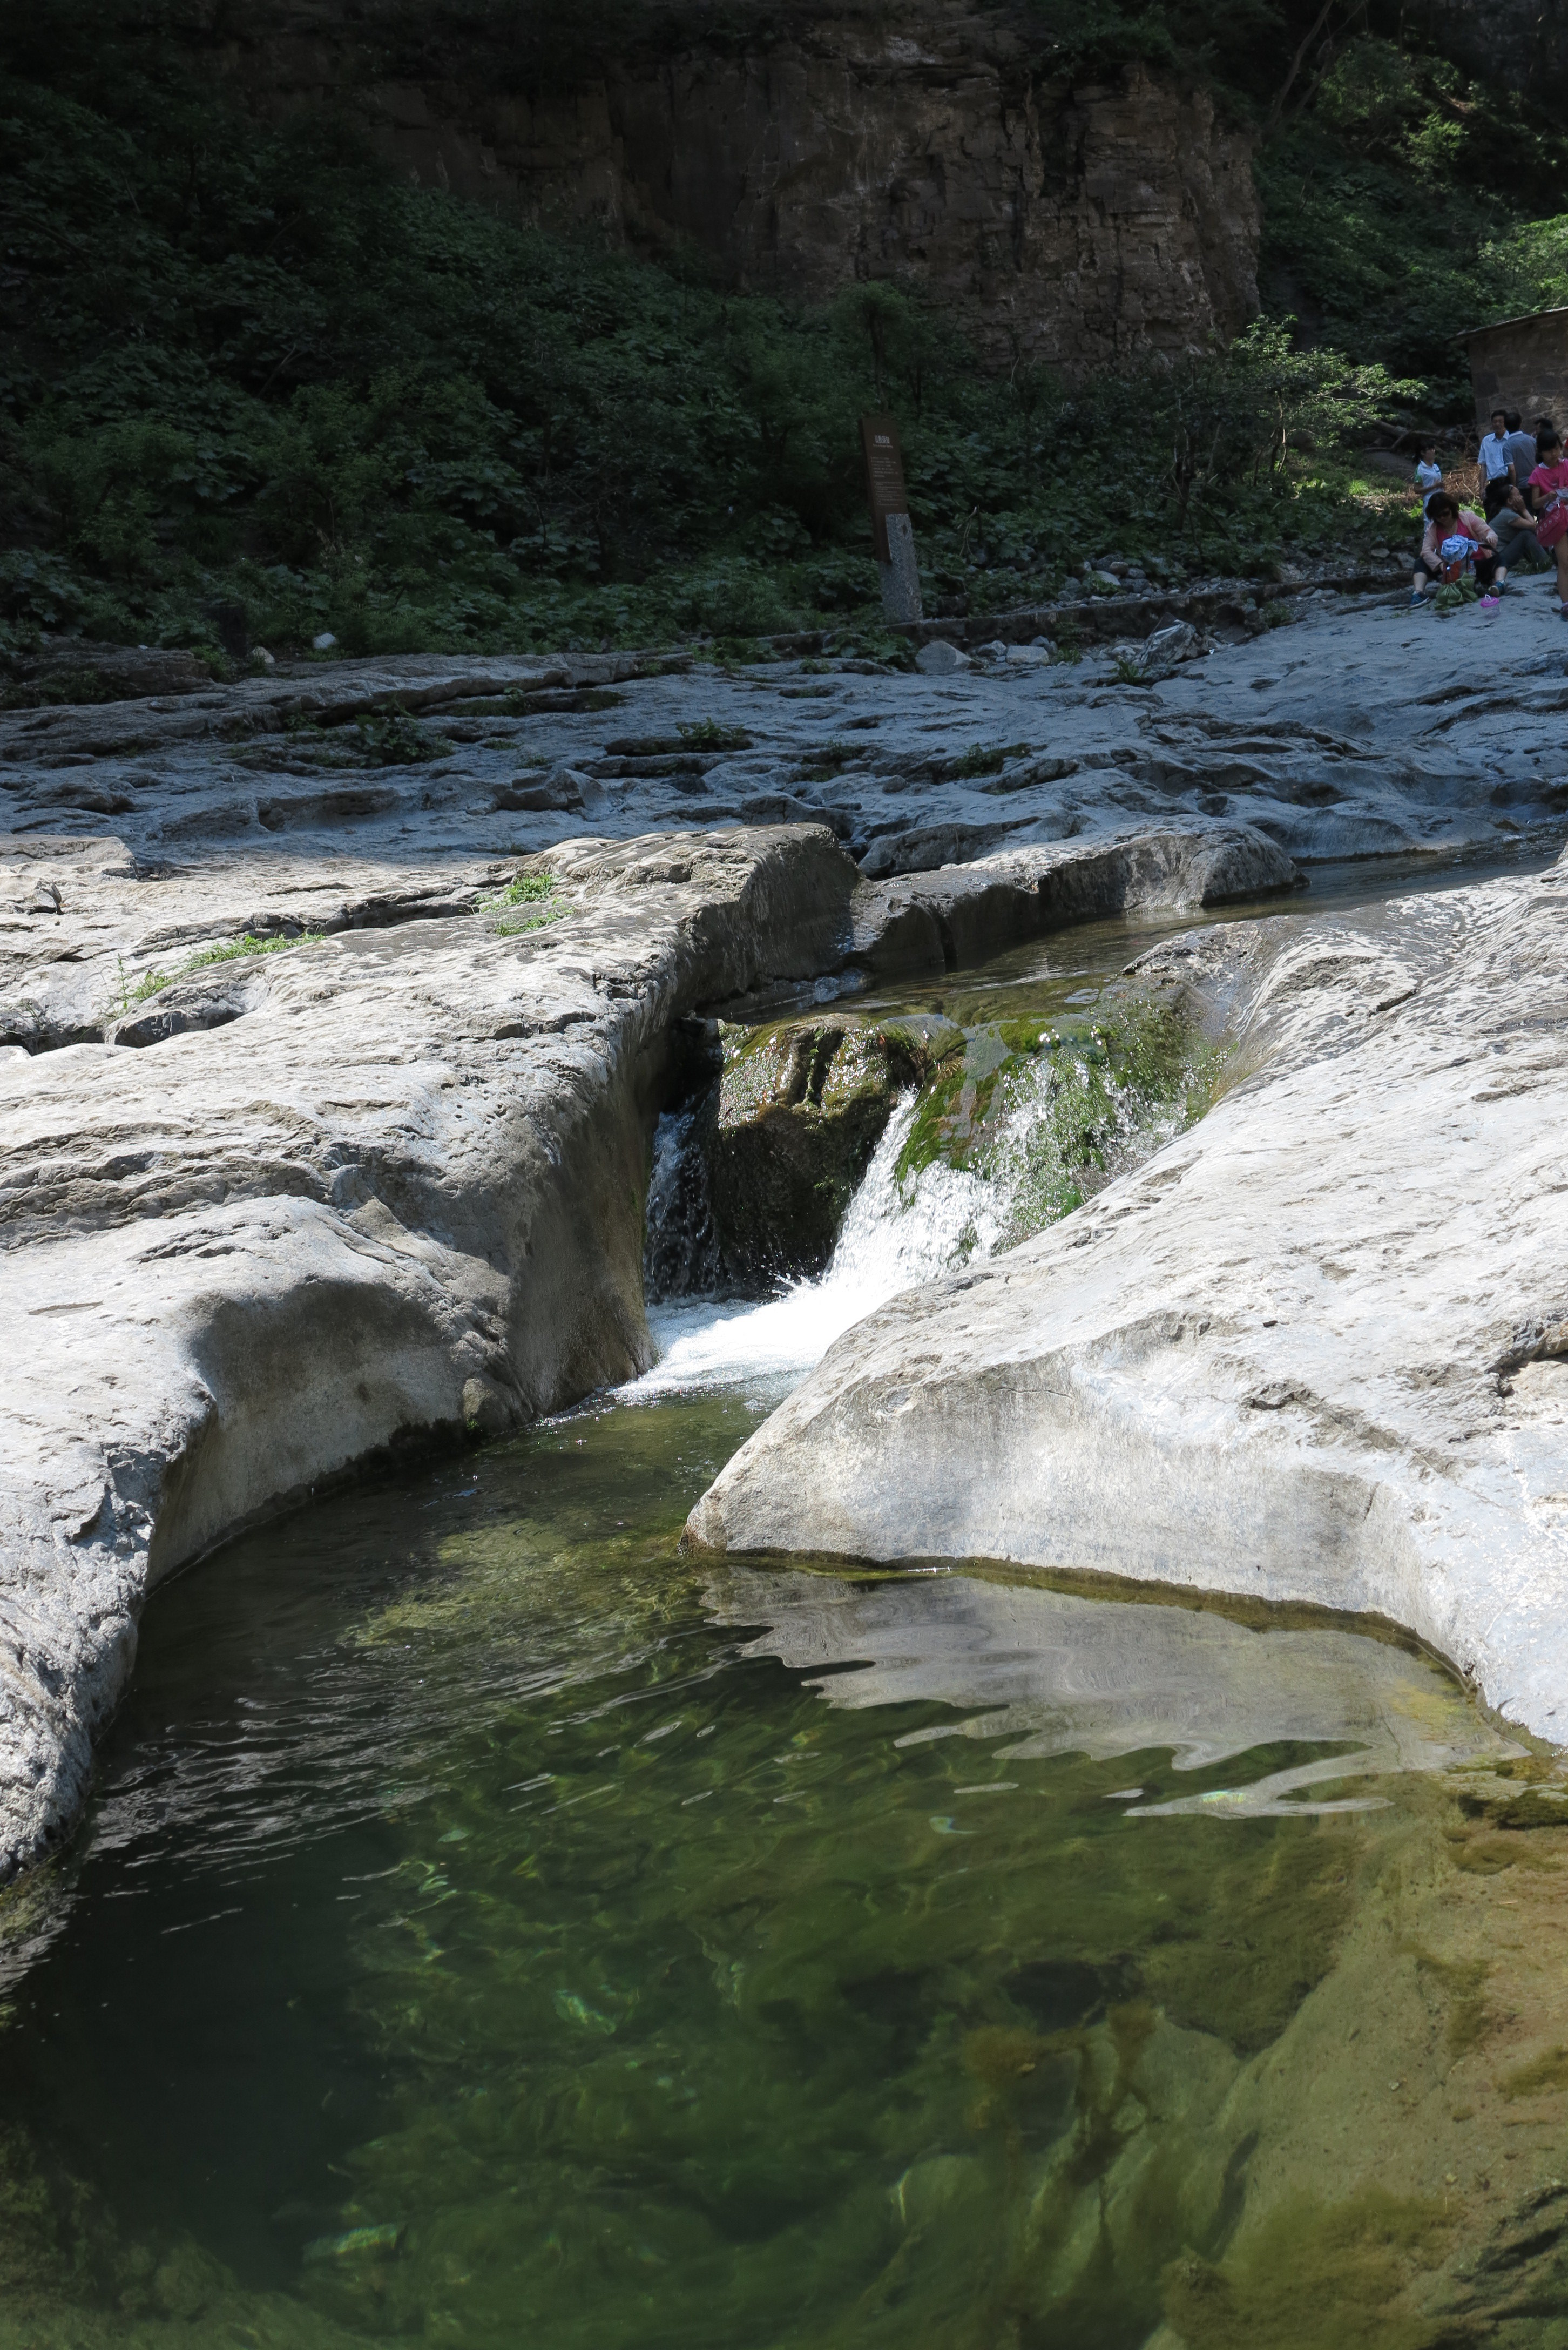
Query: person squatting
x,y
1525,498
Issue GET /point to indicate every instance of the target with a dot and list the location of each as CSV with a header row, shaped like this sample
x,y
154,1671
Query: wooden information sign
x,y
893,533
883,477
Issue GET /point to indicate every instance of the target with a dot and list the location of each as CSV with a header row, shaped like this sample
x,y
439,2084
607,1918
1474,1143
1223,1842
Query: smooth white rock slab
x,y
399,1189
1316,1350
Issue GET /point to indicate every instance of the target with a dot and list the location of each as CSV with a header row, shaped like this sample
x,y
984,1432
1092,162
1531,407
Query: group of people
x,y
1524,478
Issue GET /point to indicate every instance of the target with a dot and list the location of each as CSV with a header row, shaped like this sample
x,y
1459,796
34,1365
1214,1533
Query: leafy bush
x,y
707,734
392,739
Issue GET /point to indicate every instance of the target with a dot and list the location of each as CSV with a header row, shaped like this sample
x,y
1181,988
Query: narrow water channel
x,y
495,1927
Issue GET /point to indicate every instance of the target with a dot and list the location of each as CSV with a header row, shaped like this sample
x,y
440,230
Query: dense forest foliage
x,y
241,361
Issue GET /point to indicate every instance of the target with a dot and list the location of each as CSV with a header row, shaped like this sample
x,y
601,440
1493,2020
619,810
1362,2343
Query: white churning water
x,y
898,1233
895,1236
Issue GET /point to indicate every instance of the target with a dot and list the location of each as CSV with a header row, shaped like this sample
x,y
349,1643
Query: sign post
x,y
892,531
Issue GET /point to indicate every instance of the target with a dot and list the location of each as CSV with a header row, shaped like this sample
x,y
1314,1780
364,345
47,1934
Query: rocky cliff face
x,y
1080,226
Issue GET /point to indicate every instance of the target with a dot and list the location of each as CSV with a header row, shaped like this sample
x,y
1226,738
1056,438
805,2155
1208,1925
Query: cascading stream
x,y
907,1224
893,1238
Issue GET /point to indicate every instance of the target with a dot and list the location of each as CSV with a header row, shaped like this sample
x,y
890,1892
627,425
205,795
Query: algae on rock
x,y
1038,1117
791,1128
1047,1118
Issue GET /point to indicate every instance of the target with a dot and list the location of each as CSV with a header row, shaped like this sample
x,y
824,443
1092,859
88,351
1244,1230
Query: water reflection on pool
x,y
493,1927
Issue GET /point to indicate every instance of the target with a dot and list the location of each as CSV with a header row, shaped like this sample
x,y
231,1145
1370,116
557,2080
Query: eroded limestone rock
x,y
306,1153
1310,1351
397,1190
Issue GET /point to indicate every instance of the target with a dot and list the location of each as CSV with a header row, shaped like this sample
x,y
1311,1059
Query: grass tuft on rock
x,y
524,889
152,983
539,890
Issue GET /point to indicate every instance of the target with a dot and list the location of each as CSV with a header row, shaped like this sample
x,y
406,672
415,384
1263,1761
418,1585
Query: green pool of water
x,y
494,1929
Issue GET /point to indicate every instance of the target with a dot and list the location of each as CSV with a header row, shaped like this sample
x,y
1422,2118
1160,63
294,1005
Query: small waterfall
x,y
901,1231
680,1247
894,1237
1065,1129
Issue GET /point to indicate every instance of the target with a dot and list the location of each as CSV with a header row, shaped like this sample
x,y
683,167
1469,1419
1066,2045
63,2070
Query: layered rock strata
x,y
1355,732
930,145
1314,1350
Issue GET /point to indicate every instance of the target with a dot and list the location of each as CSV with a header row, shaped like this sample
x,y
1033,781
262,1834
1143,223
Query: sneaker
x,y
1489,604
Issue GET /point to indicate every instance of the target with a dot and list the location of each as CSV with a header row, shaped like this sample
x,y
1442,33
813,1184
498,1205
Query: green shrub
x,y
391,739
707,734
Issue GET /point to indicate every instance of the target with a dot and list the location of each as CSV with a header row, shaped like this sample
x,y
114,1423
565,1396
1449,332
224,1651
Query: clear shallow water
x,y
492,1928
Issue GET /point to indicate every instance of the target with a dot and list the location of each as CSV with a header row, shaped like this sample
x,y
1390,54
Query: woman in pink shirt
x,y
1447,523
1548,491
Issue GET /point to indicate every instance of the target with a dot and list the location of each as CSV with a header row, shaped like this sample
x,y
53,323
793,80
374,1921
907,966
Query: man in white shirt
x,y
1493,457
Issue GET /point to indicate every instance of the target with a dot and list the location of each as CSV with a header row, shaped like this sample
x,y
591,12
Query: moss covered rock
x,y
800,1109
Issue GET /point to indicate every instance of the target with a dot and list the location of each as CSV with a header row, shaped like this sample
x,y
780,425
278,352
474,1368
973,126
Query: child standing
x,y
1429,472
1549,490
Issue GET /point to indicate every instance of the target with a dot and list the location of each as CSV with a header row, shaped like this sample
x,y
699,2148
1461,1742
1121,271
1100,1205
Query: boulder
x,y
933,920
791,1128
1177,641
939,659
